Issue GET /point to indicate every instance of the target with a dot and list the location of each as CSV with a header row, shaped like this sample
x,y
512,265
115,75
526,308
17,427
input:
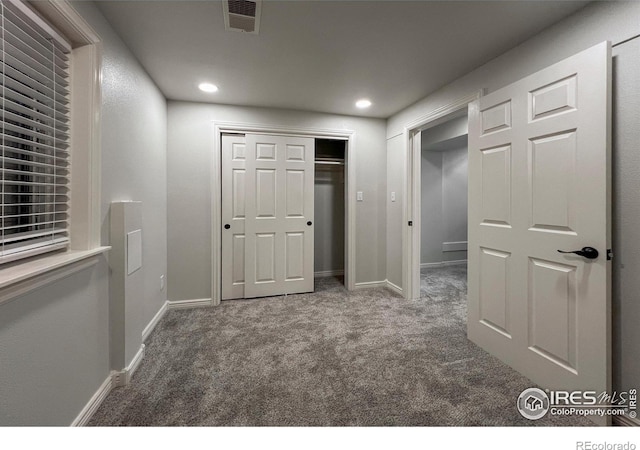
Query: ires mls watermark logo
x,y
534,403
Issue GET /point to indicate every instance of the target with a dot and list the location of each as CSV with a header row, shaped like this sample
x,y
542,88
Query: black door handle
x,y
587,252
227,226
309,223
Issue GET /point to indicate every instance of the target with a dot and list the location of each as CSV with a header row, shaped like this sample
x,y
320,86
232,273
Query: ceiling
x,y
324,55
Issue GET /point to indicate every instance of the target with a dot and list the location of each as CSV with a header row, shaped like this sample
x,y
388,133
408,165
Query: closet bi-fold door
x,y
279,215
267,202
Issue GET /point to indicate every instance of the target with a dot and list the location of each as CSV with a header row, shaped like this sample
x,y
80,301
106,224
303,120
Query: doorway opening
x,y
330,202
434,126
443,209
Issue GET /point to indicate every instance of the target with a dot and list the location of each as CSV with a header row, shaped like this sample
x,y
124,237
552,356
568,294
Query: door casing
x,y
220,128
411,236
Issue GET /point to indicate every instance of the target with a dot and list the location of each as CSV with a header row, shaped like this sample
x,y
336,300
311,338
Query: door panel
x,y
237,260
494,290
279,215
265,193
552,305
496,186
265,257
237,193
539,181
295,193
233,214
295,260
552,164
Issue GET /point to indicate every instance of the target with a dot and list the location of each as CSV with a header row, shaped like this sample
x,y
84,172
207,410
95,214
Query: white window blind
x,y
34,127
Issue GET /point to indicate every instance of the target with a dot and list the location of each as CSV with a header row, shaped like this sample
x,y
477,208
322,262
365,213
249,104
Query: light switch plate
x,y
393,196
359,196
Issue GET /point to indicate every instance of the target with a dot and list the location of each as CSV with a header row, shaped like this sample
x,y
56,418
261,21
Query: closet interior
x,y
329,196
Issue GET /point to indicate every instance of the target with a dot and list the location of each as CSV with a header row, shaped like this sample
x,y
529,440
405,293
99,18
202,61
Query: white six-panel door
x,y
539,181
268,203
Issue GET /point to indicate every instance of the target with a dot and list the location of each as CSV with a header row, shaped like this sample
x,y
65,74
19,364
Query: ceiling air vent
x,y
242,15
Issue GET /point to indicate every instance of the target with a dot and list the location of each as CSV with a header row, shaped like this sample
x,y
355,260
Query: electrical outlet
x,y
162,282
393,196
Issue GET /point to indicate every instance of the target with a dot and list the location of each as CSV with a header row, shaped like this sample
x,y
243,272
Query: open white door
x,y
279,184
539,182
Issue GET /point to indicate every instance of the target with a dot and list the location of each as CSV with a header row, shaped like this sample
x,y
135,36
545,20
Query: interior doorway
x,y
443,207
434,127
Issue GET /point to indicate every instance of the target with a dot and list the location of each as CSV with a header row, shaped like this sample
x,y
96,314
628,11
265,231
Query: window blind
x,y
34,135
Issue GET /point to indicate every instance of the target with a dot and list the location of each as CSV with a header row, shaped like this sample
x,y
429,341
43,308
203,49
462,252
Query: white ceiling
x,y
324,55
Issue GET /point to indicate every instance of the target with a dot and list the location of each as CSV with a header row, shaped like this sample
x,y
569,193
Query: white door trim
x,y
216,192
411,208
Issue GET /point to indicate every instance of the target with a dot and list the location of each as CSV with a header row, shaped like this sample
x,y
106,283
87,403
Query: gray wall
x,y
454,197
329,218
134,163
396,161
432,232
443,202
54,349
599,21
54,342
190,147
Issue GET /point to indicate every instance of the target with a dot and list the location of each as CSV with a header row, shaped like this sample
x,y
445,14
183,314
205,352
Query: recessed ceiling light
x,y
208,87
363,103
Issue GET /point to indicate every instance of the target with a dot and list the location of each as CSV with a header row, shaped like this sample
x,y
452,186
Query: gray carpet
x,y
329,358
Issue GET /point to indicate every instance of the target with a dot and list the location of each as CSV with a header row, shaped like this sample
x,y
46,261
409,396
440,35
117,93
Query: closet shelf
x,y
332,162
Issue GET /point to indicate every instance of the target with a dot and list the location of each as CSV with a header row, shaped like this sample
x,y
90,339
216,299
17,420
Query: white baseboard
x,y
425,265
625,421
176,304
328,273
96,400
371,284
135,363
458,246
379,284
395,288
152,324
444,263
123,377
186,304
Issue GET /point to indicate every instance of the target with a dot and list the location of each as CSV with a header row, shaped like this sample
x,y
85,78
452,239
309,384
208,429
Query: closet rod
x,y
333,163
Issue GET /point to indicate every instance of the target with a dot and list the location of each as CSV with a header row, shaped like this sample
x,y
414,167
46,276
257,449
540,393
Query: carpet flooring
x,y
331,358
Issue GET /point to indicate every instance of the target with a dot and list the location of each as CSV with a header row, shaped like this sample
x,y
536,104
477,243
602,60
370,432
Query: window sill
x,y
28,276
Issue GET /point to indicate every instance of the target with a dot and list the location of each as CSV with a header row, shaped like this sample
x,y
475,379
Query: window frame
x,y
31,187
22,276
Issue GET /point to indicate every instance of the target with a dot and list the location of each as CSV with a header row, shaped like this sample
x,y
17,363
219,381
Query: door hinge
x,y
411,223
609,254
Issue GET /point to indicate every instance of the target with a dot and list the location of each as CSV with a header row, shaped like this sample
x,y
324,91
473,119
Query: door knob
x,y
309,223
587,252
227,226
